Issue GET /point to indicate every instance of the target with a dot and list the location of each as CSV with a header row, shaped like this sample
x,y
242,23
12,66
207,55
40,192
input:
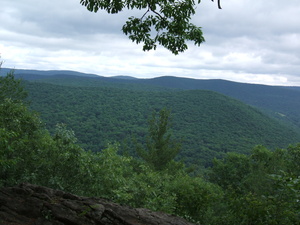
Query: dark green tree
x,y
160,148
166,23
28,153
258,189
11,88
21,138
15,122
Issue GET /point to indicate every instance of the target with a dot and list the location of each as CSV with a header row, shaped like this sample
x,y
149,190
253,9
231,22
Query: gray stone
x,y
36,205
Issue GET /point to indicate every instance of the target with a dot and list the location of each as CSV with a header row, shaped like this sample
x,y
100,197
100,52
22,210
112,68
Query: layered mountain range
x,y
209,117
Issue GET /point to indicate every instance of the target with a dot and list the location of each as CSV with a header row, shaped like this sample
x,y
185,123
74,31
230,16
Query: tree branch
x,y
145,14
149,7
219,4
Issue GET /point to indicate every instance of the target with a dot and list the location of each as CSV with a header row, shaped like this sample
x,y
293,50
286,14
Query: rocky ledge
x,y
34,205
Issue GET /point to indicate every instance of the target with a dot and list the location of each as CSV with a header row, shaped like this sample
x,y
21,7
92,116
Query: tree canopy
x,y
11,88
164,22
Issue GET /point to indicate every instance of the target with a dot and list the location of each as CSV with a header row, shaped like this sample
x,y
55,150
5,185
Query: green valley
x,y
209,124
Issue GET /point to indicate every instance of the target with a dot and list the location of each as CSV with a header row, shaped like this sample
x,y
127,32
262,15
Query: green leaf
x,y
166,23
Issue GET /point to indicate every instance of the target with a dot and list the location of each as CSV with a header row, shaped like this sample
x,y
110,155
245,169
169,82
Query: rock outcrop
x,y
34,205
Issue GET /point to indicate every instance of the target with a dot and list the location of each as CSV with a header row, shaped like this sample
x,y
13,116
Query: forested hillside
x,y
209,124
121,105
261,187
277,101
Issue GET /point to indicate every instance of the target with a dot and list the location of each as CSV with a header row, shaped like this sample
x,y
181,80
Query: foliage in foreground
x,y
260,188
166,23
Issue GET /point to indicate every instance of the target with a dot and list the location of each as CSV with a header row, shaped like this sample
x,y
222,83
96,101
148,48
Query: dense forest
x,y
260,187
280,102
208,123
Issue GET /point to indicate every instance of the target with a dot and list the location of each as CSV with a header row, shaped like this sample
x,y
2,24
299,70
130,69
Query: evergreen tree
x,y
160,148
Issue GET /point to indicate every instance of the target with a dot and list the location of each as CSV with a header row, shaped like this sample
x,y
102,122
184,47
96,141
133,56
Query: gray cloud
x,y
248,41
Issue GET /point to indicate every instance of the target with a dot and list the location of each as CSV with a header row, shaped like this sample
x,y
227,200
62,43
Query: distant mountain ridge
x,y
278,101
124,77
19,72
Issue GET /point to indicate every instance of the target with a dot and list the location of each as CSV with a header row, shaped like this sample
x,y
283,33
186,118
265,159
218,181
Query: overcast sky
x,y
253,41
